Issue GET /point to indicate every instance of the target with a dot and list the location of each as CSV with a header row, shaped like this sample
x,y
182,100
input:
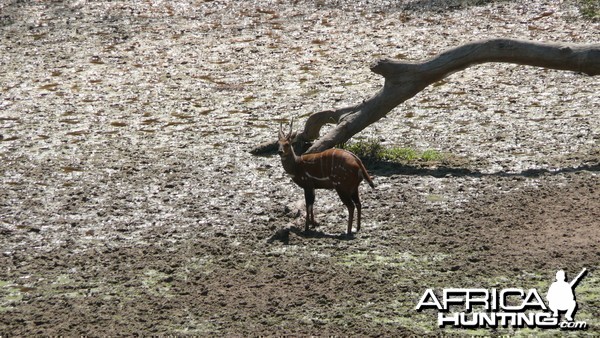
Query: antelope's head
x,y
285,142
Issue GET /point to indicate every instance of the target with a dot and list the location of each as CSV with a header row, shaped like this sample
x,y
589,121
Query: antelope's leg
x,y
356,200
347,200
309,199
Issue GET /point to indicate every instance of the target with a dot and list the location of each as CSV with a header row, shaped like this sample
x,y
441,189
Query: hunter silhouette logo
x,y
561,295
509,307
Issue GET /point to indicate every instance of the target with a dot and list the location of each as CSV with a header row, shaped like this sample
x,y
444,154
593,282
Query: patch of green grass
x,y
400,260
397,154
373,151
590,9
367,150
63,280
10,295
431,155
157,282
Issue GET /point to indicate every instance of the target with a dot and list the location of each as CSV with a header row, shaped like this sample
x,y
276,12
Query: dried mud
x,y
129,203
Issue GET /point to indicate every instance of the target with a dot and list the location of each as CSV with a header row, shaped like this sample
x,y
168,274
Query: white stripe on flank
x,y
317,178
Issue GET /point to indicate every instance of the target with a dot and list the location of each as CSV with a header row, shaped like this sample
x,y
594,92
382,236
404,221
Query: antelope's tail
x,y
365,174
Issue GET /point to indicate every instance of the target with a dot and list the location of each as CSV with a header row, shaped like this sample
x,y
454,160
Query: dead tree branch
x,y
404,80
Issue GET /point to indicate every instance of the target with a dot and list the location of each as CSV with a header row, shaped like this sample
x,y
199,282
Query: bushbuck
x,y
331,169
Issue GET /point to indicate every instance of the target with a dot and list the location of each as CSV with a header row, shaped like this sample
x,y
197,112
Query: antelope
x,y
331,169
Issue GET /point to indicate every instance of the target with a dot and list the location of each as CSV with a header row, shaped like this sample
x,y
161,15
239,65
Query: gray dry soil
x,y
129,203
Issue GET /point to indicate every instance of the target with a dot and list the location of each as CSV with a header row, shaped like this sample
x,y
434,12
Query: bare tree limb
x,y
404,80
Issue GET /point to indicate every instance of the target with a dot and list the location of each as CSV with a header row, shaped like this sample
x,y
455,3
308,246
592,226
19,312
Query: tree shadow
x,y
381,168
387,168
